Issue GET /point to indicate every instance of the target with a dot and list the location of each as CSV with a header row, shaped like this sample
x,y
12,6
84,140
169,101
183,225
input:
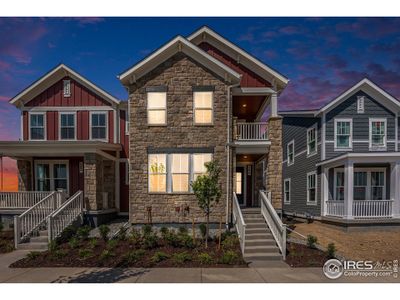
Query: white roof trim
x,y
359,86
377,155
205,30
183,45
298,112
67,71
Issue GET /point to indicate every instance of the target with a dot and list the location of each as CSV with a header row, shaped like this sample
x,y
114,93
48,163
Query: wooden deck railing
x,y
20,200
252,131
361,209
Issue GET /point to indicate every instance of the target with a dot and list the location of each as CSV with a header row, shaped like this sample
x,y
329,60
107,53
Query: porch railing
x,y
254,131
335,208
275,224
65,215
365,209
239,222
34,217
21,200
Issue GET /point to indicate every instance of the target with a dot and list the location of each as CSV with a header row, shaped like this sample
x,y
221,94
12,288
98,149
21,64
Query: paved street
x,y
274,273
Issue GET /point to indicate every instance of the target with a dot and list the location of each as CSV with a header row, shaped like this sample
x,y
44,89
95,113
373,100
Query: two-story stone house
x,y
342,162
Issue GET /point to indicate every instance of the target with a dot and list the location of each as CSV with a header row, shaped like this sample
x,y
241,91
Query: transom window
x,y
312,187
37,123
67,126
203,107
157,108
343,133
172,173
377,133
286,190
98,125
311,141
290,153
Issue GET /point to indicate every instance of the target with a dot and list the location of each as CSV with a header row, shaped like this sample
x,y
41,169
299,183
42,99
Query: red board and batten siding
x,y
124,140
249,78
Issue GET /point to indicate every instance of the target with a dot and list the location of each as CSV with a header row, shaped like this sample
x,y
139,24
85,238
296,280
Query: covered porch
x,y
361,186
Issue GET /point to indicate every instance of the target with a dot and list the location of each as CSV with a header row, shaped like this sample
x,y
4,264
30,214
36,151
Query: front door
x,y
51,175
240,189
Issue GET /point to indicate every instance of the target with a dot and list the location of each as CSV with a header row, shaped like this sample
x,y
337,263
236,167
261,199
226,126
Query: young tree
x,y
207,190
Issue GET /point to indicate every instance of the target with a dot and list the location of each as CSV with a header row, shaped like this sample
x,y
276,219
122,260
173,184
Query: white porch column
x,y
348,189
324,190
274,105
395,188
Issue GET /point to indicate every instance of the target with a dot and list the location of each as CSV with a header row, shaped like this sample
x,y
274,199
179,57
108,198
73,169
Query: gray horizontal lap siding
x,y
348,109
295,128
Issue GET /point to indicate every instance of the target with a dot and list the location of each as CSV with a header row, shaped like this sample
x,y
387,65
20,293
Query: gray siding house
x,y
341,163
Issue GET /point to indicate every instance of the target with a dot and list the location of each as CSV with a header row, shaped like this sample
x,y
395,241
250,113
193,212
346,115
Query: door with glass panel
x,y
51,176
240,190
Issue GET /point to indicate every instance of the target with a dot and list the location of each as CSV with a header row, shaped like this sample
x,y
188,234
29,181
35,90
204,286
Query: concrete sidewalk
x,y
276,272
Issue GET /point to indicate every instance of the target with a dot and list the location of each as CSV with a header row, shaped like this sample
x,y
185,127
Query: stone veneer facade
x,y
179,74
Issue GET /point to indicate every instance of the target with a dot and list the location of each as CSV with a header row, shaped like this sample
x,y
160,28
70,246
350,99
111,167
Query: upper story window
x,y
156,108
203,107
360,104
312,188
37,126
67,126
67,88
377,133
98,125
343,133
311,141
290,153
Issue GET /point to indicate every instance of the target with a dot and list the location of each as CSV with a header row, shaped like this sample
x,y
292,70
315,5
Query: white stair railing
x,y
65,215
239,222
15,200
275,224
35,216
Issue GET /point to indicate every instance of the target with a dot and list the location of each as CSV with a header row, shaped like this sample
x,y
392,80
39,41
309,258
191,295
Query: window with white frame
x,y
67,126
172,173
98,127
377,185
290,153
360,185
360,104
127,119
156,108
339,185
203,107
67,88
37,123
312,187
311,141
286,191
377,133
343,133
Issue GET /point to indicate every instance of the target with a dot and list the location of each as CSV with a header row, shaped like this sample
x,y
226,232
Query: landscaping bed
x,y
6,241
299,255
145,248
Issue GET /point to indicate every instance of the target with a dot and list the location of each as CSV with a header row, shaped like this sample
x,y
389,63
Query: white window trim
x,y
351,134
166,110
287,201
371,147
287,153
44,125
316,141
212,110
51,171
368,171
316,188
127,120
59,126
67,82
90,125
359,99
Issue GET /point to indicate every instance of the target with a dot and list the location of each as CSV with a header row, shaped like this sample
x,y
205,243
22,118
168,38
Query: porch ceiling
x,y
248,157
247,107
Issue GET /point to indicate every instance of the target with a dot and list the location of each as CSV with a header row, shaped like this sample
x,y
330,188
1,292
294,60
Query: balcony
x,y
251,137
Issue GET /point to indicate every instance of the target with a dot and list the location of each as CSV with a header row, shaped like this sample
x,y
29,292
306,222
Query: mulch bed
x,y
65,256
6,241
302,256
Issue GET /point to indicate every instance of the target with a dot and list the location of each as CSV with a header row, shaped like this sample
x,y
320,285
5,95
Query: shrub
x,y
173,239
230,242
73,243
150,241
203,230
122,233
181,257
1,226
227,234
204,258
93,243
104,231
229,257
111,244
67,233
164,232
159,256
311,241
135,237
186,241
33,255
85,253
83,232
59,254
331,250
183,230
147,229
106,254
134,256
53,246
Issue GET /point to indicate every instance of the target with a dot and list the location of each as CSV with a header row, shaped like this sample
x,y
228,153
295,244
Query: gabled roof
x,y
52,77
370,88
178,44
205,34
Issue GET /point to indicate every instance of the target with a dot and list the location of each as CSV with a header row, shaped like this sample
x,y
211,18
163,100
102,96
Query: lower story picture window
x,y
180,172
157,173
360,186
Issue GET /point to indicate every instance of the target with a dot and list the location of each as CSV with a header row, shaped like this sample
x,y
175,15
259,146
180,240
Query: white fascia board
x,y
376,155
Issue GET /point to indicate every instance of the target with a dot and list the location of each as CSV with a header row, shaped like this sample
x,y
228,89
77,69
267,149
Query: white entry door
x,y
51,176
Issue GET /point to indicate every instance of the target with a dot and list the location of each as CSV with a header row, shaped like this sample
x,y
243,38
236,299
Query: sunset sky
x,y
321,56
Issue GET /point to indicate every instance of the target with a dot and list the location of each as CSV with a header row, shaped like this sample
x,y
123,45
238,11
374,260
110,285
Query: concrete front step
x,y
257,236
260,242
254,220
262,256
33,246
39,239
261,249
256,225
259,230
